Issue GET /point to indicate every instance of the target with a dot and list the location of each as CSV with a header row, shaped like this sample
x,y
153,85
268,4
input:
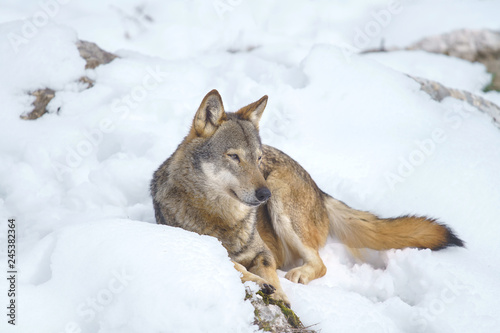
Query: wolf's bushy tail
x,y
359,229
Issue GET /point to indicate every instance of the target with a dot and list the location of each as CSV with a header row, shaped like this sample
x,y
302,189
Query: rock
x,y
93,54
471,45
438,92
42,98
274,316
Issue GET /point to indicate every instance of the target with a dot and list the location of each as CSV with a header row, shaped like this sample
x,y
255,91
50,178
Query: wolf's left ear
x,y
253,112
210,115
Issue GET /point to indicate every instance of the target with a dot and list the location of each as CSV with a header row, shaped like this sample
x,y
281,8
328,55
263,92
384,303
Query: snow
x,y
424,18
92,259
120,267
451,72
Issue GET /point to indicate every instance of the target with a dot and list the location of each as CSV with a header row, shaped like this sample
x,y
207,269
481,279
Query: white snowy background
x,y
89,254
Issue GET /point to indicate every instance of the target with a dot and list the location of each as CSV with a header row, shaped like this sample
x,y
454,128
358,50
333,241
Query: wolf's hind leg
x,y
312,268
295,246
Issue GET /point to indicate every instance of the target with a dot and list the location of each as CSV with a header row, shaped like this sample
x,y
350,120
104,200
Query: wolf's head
x,y
228,149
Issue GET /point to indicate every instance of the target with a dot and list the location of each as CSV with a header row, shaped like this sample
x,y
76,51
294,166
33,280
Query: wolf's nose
x,y
262,194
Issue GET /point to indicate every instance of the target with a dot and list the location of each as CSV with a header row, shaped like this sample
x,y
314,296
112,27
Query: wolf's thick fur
x,y
263,206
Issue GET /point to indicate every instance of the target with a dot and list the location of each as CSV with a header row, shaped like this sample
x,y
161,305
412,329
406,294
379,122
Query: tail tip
x,y
451,240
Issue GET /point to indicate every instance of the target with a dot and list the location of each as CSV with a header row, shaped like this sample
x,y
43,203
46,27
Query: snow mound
x,y
164,279
451,72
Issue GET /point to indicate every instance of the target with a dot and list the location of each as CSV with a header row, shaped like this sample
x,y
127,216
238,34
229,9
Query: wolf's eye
x,y
259,159
234,157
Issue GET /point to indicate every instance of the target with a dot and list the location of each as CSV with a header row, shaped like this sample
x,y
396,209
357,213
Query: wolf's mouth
x,y
234,194
254,203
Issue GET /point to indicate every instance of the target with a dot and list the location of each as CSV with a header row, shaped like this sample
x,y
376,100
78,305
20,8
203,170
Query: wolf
x,y
264,208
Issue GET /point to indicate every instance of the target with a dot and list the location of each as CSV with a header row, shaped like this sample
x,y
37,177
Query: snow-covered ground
x,y
90,257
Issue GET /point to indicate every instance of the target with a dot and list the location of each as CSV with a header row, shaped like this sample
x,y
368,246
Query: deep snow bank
x,y
128,276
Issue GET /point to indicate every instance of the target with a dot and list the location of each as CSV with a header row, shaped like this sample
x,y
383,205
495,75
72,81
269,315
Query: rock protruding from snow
x,y
42,99
471,45
274,316
93,54
438,92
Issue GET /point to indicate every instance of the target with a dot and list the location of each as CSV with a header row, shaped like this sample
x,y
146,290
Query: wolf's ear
x,y
210,115
253,112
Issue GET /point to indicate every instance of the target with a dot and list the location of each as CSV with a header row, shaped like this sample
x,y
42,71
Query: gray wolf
x,y
263,206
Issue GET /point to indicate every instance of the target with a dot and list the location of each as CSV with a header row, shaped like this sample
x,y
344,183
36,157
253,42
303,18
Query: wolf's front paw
x,y
299,275
267,288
